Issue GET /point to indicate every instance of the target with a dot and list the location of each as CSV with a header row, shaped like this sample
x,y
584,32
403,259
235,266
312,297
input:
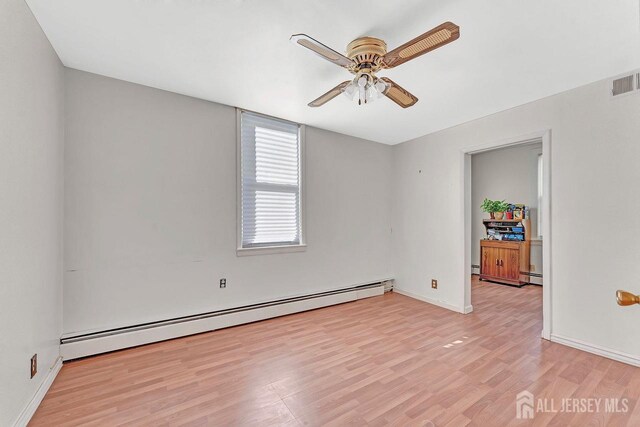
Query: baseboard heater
x,y
88,344
537,275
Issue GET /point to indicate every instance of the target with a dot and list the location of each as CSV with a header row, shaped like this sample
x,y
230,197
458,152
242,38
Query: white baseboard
x,y
30,409
439,303
596,349
104,344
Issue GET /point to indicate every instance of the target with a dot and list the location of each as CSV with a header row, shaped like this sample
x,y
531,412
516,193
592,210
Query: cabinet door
x,y
489,261
510,264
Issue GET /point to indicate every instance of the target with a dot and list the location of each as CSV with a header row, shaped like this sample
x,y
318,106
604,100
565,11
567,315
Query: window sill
x,y
269,250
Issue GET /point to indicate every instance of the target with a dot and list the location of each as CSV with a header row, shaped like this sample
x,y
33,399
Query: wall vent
x,y
625,84
622,85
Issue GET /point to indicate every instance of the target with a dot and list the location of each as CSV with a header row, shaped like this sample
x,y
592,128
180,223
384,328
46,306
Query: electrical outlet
x,y
532,268
223,283
34,365
434,284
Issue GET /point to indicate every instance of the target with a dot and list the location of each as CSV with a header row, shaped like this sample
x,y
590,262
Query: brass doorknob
x,y
627,298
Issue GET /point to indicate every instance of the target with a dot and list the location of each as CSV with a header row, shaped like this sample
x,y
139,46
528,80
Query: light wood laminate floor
x,y
374,362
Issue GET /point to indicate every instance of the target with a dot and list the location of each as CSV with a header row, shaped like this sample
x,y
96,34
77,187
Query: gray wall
x,y
150,201
31,143
509,174
150,210
594,175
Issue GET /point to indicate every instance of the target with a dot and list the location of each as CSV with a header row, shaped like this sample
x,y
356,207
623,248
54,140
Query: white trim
x,y
465,220
26,414
303,184
506,142
539,183
265,250
103,344
238,178
439,303
546,233
596,349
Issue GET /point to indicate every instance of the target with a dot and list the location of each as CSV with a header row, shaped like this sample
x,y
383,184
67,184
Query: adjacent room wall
x,y
509,174
150,219
594,173
31,143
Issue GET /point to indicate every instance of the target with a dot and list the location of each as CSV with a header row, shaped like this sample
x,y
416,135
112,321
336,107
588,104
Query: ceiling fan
x,y
367,55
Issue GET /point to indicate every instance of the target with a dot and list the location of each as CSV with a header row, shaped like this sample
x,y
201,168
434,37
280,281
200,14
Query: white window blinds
x,y
270,181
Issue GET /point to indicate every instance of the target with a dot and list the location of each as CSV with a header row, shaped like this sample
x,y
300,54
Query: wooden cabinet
x,y
504,262
510,264
504,254
489,261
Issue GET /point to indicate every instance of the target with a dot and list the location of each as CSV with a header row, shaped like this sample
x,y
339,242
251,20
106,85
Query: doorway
x,y
539,219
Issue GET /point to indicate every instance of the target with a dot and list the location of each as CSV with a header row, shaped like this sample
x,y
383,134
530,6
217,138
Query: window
x,y
270,199
540,193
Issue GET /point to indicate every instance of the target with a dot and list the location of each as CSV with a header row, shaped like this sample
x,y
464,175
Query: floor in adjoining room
x,y
383,360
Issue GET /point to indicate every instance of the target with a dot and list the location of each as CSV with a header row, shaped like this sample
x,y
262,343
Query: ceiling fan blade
x,y
321,50
326,97
398,94
433,39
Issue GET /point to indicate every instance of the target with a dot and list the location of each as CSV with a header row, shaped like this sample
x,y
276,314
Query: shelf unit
x,y
506,226
506,261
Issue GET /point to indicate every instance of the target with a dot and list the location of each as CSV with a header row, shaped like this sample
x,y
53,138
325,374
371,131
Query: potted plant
x,y
495,208
500,208
487,206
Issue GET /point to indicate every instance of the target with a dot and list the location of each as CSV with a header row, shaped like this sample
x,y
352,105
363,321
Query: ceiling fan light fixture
x,y
372,94
365,88
350,91
381,87
368,55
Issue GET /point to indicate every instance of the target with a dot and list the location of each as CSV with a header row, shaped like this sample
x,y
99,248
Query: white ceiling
x,y
237,52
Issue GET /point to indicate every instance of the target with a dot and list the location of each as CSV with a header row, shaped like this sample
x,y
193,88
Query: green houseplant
x,y
501,207
495,208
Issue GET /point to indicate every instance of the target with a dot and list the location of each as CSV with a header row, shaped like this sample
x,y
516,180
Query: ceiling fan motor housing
x,y
366,53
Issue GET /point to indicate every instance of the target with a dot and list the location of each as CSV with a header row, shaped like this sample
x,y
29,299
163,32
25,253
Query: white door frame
x,y
465,159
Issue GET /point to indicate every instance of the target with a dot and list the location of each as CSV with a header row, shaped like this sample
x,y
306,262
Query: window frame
x,y
279,248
